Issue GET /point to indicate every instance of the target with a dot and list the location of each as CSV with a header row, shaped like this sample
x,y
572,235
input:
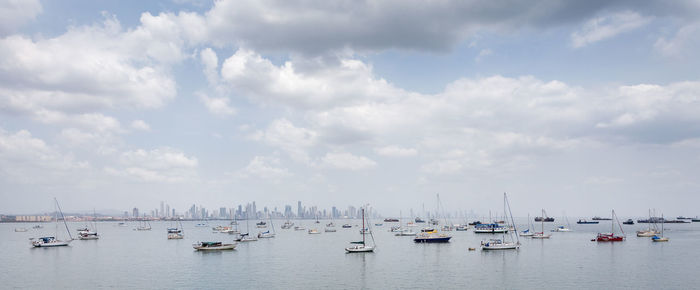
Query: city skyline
x,y
565,105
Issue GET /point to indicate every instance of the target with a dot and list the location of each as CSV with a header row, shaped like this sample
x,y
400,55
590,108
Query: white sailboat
x,y
404,231
87,233
652,230
502,244
362,247
246,237
44,242
656,238
528,232
541,234
563,228
267,234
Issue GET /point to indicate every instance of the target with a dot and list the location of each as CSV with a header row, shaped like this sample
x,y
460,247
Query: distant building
x,y
135,212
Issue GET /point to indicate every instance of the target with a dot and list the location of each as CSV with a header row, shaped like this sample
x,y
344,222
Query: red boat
x,y
611,237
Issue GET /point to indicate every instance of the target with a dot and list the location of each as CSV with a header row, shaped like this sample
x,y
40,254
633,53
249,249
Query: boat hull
x,y
432,240
359,249
500,247
218,248
51,245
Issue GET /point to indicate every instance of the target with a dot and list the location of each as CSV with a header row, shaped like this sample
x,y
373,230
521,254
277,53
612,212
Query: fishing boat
x,y
541,234
611,237
661,238
527,232
362,247
44,242
502,244
213,246
267,234
586,222
651,230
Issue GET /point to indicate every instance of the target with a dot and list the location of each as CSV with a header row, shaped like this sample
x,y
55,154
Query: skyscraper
x,y
300,210
162,207
135,212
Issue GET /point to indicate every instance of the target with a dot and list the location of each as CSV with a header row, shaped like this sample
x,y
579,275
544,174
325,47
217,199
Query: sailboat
x,y
403,231
611,237
432,235
43,242
362,247
502,244
144,225
330,227
267,234
563,228
649,232
541,234
175,233
246,237
287,224
656,238
527,232
88,234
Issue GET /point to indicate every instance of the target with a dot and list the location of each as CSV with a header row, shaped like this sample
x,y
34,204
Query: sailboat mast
x,y
363,226
63,217
515,229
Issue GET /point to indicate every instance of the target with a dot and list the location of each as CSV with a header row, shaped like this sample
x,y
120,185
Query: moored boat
x,y
502,244
213,246
587,222
362,247
611,237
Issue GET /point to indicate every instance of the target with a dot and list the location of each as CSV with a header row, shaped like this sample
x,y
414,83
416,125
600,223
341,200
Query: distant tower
x,y
300,210
135,212
162,208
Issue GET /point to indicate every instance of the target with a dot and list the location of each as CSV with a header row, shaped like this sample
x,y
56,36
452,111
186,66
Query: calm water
x,y
124,258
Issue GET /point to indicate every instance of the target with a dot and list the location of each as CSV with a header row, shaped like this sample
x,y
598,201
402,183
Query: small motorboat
x,y
330,230
526,233
246,238
313,232
266,235
561,229
347,226
540,235
432,237
175,236
20,230
261,225
628,222
299,228
88,235
213,246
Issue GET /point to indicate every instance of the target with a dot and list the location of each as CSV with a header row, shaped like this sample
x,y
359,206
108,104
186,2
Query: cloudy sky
x,y
576,106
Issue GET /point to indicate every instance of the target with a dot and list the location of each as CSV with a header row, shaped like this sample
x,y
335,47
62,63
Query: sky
x,y
577,107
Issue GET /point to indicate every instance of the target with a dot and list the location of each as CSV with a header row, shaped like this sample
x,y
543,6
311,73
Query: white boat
x,y
405,233
502,244
87,233
652,230
20,230
541,235
661,238
561,229
527,232
362,247
314,232
330,230
287,225
246,237
213,246
45,242
176,233
299,228
267,234
144,225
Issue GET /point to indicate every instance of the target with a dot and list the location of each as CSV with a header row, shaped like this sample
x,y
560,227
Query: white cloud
x,y
140,125
267,168
482,54
396,151
684,43
296,141
607,26
345,83
158,165
23,157
217,106
15,13
347,161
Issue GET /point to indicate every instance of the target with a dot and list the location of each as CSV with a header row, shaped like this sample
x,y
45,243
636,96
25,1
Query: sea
x,y
125,258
